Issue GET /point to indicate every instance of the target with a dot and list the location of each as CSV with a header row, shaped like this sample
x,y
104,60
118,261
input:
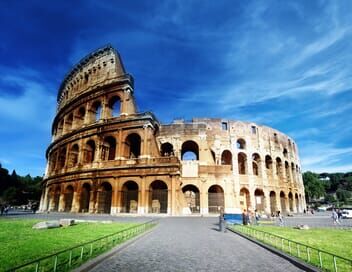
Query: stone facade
x,y
105,157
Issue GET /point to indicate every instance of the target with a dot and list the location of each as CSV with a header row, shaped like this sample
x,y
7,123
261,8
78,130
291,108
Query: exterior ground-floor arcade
x,y
166,195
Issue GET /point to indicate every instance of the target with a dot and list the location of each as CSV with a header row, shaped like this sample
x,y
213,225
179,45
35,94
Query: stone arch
x,y
256,164
133,146
259,200
167,149
68,198
129,197
89,151
216,201
241,144
97,110
190,151
279,171
62,157
293,172
290,201
79,119
104,197
60,128
297,203
85,198
285,153
192,196
269,166
287,171
226,157
242,163
53,161
69,122
158,197
245,201
114,106
56,198
108,150
283,202
273,207
73,155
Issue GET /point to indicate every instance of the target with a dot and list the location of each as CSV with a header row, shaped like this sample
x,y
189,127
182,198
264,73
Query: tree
x,y
343,195
313,187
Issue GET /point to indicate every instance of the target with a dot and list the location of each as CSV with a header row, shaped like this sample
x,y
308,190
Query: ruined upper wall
x,y
98,68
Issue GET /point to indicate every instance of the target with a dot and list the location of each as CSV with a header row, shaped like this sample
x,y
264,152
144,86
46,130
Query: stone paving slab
x,y
193,244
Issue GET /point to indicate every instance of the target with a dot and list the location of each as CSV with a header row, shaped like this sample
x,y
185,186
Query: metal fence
x,y
324,260
70,258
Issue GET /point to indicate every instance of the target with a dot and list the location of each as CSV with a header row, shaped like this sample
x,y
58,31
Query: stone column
x,y
173,195
142,205
76,201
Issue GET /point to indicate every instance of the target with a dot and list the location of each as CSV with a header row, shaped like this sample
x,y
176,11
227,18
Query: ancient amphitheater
x,y
105,157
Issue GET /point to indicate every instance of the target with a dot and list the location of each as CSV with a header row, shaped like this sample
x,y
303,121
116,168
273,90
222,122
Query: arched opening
x,y
297,203
74,155
167,149
293,172
133,146
97,110
80,117
213,156
53,160
215,199
85,198
104,198
129,197
226,157
290,201
259,200
158,197
68,198
62,158
108,149
114,106
69,122
241,144
56,199
89,152
279,168
191,194
283,202
190,151
245,202
268,166
287,170
256,164
285,153
48,198
242,163
60,128
273,208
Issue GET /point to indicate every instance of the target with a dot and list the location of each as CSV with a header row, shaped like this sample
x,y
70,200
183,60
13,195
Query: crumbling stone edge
x,y
295,261
89,265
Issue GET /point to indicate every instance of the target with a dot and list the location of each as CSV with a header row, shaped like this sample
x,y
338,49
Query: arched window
x,y
191,194
287,170
133,146
158,196
226,157
245,201
60,128
97,110
259,200
190,151
68,198
114,106
167,149
62,158
285,153
283,202
273,207
89,152
279,167
241,144
256,164
242,161
215,199
129,197
69,122
74,155
104,197
85,198
268,162
108,149
53,161
80,116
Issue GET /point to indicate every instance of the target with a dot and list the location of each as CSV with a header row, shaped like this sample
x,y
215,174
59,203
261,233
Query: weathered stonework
x,y
105,157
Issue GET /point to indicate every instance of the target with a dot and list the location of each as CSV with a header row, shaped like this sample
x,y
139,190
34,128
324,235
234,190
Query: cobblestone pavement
x,y
193,244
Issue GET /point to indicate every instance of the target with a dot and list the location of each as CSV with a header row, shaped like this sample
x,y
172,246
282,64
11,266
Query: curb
x,y
89,265
295,261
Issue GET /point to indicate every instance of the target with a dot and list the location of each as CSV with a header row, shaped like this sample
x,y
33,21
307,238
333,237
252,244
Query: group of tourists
x,y
252,218
336,216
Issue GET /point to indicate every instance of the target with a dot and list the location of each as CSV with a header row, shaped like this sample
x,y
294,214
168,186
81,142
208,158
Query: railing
x,y
70,258
324,260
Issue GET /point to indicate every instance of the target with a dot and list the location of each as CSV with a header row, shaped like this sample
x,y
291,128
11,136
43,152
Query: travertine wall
x,y
105,157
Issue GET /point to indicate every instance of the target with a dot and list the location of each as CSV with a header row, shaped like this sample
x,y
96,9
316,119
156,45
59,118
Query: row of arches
x,y
90,113
90,151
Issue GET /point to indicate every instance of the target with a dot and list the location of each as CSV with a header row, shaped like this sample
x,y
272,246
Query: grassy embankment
x,y
333,240
21,244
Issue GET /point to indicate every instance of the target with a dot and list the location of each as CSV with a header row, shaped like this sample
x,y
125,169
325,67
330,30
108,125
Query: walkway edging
x,y
297,262
99,259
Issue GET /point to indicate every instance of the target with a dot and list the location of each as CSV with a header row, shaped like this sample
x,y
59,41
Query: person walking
x,y
335,217
281,219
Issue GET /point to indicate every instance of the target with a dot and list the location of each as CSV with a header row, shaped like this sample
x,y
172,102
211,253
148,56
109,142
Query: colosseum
x,y
106,157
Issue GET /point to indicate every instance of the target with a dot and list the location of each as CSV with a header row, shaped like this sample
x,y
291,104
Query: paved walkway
x,y
193,244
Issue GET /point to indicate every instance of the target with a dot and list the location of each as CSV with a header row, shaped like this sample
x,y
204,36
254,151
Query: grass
x,y
335,241
21,244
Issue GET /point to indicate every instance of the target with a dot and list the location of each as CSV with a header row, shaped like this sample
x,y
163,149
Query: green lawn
x,y
20,243
332,240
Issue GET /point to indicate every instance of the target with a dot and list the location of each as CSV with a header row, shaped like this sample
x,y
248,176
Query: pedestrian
x,y
339,214
256,217
281,219
6,210
335,217
34,207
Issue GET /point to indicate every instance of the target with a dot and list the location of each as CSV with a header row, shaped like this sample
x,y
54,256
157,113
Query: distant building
x,y
105,157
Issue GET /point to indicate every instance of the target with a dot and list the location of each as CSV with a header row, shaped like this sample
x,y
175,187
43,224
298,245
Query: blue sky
x,y
285,64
